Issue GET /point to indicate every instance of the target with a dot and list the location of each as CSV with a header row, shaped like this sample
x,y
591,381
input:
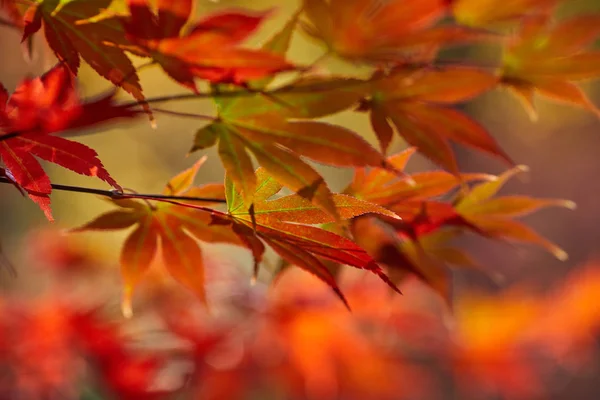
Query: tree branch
x,y
9,24
116,195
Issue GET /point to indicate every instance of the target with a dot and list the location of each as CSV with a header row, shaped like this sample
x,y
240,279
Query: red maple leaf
x,y
30,118
80,29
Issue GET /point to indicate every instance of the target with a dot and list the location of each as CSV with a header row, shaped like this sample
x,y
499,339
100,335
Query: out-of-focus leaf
x,y
547,59
352,30
492,12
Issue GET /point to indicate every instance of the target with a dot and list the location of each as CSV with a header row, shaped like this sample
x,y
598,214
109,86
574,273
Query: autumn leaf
x,y
74,31
32,117
173,227
493,12
276,132
284,224
279,44
548,59
384,188
492,216
206,50
417,244
420,242
417,103
353,30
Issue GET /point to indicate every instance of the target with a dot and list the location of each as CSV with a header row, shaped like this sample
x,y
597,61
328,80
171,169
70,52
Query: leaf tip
x,y
126,307
560,254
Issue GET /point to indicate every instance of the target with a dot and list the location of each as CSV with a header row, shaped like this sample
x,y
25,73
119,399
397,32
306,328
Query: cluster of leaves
x,y
296,341
384,217
44,346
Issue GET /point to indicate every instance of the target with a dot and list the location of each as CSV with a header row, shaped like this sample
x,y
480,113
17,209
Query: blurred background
x,y
561,149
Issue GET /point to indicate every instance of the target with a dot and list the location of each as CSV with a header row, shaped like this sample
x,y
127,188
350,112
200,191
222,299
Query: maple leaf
x,y
492,12
417,103
264,127
177,228
414,244
492,216
353,30
384,188
31,117
206,50
420,242
74,30
285,225
547,59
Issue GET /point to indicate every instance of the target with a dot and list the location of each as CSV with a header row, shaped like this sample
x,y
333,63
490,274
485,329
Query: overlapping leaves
x,y
173,227
421,242
284,224
417,103
207,49
279,128
32,117
276,130
75,30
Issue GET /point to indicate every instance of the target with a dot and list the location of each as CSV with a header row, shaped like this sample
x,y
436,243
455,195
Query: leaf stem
x,y
113,194
183,114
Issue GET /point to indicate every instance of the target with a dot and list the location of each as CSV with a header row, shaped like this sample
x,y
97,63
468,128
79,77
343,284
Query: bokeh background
x,y
561,149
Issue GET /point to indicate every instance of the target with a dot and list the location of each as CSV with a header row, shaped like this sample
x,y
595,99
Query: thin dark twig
x,y
113,194
9,24
183,114
246,93
290,88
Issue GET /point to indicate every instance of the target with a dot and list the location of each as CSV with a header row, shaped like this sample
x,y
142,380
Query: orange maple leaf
x,y
547,58
175,227
418,104
285,225
206,50
374,31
